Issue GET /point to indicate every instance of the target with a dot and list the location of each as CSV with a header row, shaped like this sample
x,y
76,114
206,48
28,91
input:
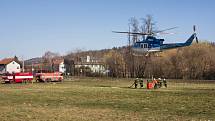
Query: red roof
x,y
6,61
58,61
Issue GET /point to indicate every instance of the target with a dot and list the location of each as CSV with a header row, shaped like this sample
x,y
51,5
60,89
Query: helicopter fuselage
x,y
152,44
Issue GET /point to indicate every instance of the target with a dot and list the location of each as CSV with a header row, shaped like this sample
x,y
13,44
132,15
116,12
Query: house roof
x,y
58,61
6,61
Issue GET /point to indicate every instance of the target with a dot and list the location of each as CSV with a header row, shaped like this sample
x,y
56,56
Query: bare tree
x,y
116,64
134,28
48,60
148,24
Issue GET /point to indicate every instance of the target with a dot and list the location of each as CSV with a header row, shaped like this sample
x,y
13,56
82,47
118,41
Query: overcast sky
x,y
28,28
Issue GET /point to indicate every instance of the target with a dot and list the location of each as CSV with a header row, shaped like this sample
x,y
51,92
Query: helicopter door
x,y
144,46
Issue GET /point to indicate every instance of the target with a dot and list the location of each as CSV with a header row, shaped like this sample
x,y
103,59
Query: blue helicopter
x,y
150,44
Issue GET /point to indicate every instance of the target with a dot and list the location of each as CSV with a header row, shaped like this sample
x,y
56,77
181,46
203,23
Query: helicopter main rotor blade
x,y
132,33
165,30
162,33
121,32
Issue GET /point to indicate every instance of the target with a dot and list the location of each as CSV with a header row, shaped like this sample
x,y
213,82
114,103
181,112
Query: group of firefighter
x,y
156,83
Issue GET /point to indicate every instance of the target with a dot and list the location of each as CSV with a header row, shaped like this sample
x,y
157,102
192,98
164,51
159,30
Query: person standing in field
x,y
136,82
141,83
155,83
165,82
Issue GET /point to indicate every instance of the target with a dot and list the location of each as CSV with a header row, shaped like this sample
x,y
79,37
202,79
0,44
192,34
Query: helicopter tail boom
x,y
177,45
190,40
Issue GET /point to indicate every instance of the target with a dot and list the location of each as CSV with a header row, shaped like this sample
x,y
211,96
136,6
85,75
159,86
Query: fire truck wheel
x,y
59,80
38,80
24,81
48,80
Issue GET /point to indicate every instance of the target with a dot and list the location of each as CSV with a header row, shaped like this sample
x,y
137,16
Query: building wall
x,y
94,68
13,67
97,68
62,68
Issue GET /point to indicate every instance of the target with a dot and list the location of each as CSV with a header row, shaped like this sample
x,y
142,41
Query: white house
x,y
96,65
9,65
65,66
59,65
62,67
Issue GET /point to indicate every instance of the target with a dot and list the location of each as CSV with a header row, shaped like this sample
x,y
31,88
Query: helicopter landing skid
x,y
155,54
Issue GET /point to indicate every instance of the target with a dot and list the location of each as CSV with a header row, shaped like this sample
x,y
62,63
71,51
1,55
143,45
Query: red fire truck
x,y
17,77
48,77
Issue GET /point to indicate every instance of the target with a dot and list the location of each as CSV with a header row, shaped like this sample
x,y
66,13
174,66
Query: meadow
x,y
107,99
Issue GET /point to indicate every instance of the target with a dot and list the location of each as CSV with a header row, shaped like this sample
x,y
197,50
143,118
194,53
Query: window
x,y
141,46
145,45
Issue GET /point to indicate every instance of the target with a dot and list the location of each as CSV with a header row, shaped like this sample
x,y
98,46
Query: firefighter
x,y
165,82
136,82
155,83
159,82
141,83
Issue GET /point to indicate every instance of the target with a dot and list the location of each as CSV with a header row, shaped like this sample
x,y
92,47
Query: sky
x,y
29,28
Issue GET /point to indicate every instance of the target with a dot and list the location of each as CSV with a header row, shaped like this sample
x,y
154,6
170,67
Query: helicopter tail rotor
x,y
197,40
194,30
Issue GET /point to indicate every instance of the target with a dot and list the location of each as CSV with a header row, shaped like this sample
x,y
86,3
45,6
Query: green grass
x,y
90,99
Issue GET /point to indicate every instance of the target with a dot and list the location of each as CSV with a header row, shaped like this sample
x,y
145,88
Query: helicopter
x,y
150,44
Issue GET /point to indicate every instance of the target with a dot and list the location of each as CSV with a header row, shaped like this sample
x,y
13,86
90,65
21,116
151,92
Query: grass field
x,y
90,99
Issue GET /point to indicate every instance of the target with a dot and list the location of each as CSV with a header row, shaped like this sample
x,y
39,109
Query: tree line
x,y
194,62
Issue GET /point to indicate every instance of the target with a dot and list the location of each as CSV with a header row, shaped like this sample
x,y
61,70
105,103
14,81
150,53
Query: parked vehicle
x,y
17,77
49,77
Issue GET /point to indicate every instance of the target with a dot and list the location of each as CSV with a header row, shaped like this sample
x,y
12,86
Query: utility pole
x,y
32,68
23,64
